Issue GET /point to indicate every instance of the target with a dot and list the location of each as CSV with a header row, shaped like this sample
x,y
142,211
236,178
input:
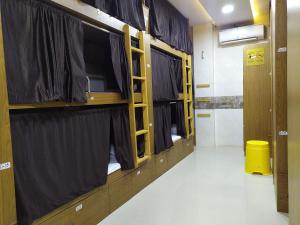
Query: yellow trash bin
x,y
258,158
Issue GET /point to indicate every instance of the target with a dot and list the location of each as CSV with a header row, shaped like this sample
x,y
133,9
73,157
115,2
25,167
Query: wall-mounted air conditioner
x,y
241,34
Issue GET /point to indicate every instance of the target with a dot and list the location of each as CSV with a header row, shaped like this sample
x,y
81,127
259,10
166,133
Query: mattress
x,y
175,138
113,167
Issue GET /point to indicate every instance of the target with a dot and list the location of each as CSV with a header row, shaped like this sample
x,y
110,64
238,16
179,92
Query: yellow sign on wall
x,y
255,57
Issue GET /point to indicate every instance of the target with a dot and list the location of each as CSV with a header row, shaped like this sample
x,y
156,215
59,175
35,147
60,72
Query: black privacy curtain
x,y
128,11
169,25
43,53
177,109
120,64
166,76
162,126
60,154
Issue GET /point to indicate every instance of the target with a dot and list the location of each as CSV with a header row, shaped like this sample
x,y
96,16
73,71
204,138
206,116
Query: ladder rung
x,y
190,117
140,105
189,84
138,78
141,132
141,160
188,67
189,100
137,50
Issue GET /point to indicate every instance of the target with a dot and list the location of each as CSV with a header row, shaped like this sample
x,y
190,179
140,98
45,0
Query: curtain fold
x,y
176,70
51,66
162,127
178,118
120,64
141,138
128,11
165,76
60,154
122,138
169,25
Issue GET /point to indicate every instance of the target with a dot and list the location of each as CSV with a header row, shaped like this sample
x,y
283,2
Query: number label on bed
x,y
5,166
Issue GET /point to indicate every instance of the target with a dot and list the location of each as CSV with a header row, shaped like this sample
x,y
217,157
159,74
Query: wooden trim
x,y
202,85
145,98
185,94
202,115
132,117
279,35
149,88
93,100
166,48
7,185
94,16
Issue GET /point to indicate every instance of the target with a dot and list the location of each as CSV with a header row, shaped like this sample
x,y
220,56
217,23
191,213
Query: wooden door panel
x,y
257,96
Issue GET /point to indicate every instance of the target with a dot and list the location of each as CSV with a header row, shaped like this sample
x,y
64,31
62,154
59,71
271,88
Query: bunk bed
x,y
167,83
83,81
169,25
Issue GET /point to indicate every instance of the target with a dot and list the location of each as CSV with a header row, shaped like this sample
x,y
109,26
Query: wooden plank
x,y
280,161
147,43
166,48
293,68
143,68
202,85
7,185
93,100
132,100
185,95
137,50
93,15
201,115
190,99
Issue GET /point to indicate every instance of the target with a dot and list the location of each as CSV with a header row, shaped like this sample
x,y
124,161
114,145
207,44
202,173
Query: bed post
x,y
147,41
7,185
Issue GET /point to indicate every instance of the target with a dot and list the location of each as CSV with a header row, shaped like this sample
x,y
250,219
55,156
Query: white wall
x,y
222,68
203,39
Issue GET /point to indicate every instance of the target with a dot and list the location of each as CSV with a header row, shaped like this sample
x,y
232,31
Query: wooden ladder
x,y
133,105
188,94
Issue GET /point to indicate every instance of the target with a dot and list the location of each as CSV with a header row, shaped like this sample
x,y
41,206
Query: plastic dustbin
x,y
258,158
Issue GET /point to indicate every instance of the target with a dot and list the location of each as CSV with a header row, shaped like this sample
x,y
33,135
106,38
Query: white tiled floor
x,y
207,188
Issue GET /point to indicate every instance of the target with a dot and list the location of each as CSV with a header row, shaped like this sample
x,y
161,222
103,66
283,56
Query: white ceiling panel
x,y
242,11
203,11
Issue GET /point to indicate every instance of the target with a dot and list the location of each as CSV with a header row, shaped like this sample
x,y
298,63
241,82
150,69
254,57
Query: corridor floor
x,y
209,187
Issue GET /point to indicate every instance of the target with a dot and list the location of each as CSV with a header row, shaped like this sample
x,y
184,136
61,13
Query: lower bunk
x,y
121,186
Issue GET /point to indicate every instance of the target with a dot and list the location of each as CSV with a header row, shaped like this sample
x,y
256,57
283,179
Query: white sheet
x,y
113,167
175,138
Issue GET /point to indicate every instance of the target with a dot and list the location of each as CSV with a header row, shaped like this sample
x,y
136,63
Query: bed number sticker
x,y
256,57
138,173
5,166
78,208
161,160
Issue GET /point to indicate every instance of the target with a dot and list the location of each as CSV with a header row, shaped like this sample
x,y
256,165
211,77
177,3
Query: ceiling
x,y
203,11
242,12
193,10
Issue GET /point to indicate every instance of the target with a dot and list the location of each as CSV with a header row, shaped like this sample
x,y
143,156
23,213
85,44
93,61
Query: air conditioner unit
x,y
241,34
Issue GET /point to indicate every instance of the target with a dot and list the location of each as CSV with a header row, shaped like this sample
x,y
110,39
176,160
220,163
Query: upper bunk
x,y
95,23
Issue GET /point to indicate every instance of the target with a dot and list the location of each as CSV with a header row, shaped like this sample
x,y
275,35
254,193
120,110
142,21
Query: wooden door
x,y
293,68
280,162
257,93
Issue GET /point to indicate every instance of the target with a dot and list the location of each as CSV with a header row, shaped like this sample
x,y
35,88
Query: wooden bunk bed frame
x,y
94,206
